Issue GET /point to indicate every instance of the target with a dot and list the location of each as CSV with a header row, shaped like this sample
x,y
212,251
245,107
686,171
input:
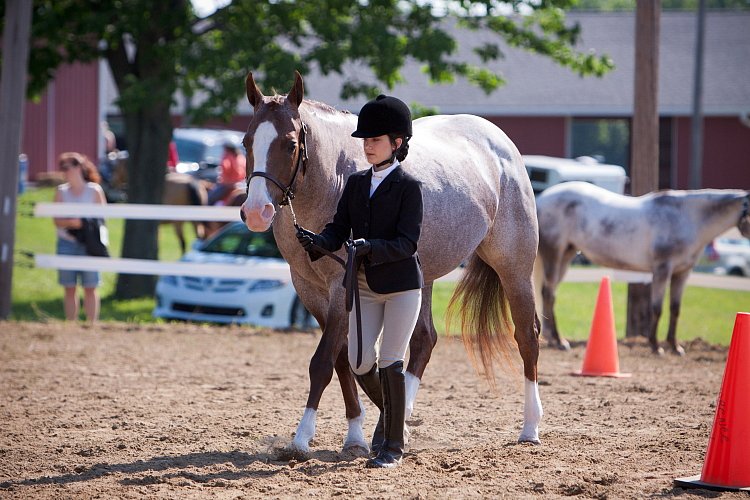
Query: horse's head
x,y
275,152
744,224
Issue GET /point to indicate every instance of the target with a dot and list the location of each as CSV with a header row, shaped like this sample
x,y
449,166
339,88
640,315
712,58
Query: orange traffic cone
x,y
601,350
727,463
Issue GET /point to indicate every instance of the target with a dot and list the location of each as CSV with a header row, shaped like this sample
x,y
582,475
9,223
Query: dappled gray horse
x,y
478,204
662,233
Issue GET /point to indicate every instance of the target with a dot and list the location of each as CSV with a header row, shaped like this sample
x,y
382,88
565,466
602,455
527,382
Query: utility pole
x,y
644,172
696,145
12,99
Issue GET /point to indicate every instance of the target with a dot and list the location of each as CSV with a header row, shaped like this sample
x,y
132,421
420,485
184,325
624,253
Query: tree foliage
x,y
155,47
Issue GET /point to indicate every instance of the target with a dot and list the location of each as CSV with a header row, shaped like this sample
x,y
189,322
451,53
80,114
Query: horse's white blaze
x,y
257,195
355,437
412,386
305,430
532,413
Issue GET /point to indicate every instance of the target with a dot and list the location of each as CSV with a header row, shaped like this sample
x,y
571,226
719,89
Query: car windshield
x,y
190,151
240,241
196,152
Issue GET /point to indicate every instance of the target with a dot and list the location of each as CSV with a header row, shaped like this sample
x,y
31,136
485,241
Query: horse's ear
x,y
297,93
254,95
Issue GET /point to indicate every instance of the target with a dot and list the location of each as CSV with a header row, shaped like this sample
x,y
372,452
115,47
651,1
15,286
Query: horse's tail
x,y
486,328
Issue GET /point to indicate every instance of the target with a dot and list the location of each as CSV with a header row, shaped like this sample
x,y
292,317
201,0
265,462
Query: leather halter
x,y
288,190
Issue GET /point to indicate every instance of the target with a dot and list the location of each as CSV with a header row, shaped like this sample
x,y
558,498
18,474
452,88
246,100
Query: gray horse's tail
x,y
486,328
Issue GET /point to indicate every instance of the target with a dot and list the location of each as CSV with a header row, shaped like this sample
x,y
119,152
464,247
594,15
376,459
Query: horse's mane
x,y
278,98
325,107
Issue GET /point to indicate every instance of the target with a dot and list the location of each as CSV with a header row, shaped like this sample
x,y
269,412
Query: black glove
x,y
363,247
306,238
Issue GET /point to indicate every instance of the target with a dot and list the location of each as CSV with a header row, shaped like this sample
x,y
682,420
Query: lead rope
x,y
351,285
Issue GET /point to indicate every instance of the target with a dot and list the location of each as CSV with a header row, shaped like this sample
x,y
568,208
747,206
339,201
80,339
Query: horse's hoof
x,y
564,345
355,447
529,439
658,351
294,452
678,350
356,450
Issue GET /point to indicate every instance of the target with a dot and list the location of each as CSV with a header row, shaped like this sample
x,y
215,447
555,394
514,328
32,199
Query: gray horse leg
x,y
676,288
422,342
555,266
661,275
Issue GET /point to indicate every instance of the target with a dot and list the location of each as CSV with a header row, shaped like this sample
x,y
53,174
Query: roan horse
x,y
662,233
478,202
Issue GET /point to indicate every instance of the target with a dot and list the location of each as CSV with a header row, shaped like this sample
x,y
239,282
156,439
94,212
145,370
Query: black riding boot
x,y
370,384
394,404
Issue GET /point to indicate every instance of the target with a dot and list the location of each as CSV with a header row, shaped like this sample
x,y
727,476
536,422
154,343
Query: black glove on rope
x,y
307,239
363,247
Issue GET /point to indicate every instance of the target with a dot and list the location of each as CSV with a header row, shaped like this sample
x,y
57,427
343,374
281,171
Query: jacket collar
x,y
395,176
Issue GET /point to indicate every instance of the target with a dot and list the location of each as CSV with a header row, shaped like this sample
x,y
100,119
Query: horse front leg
x,y
321,372
355,411
676,289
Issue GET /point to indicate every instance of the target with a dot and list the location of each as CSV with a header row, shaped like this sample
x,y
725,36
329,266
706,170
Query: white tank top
x,y
88,195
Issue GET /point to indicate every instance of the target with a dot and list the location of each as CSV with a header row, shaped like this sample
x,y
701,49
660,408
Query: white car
x,y
270,303
728,256
546,171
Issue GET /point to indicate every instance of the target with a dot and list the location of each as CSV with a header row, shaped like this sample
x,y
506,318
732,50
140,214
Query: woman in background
x,y
82,186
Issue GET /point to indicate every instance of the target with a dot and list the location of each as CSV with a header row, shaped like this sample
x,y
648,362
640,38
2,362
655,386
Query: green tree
x,y
155,47
614,5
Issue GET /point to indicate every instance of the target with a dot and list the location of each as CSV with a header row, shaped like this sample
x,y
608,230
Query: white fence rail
x,y
144,266
189,213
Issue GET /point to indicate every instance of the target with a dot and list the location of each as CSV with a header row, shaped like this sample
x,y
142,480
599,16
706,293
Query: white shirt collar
x,y
384,173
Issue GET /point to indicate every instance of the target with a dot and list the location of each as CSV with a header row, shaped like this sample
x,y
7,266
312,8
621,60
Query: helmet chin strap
x,y
388,161
393,155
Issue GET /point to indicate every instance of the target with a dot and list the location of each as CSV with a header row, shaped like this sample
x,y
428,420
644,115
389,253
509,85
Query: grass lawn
x,y
706,313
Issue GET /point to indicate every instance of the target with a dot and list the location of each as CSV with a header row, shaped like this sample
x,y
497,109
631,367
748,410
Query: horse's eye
x,y
291,147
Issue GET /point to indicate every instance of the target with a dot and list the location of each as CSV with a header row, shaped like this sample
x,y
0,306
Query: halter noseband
x,y
288,190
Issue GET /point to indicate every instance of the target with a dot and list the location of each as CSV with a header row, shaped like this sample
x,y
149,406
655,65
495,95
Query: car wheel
x,y
300,317
735,271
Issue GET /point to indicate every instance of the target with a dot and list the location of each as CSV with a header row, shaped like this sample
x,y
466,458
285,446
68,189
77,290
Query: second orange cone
x,y
601,359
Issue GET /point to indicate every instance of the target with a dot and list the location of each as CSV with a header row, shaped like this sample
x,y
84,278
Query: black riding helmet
x,y
383,115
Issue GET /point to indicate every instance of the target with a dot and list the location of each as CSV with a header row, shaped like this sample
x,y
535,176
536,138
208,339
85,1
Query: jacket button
x,y
367,224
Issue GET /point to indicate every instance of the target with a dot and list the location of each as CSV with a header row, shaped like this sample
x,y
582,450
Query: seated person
x,y
232,171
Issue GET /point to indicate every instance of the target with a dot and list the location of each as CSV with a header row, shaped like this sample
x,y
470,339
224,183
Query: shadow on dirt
x,y
318,460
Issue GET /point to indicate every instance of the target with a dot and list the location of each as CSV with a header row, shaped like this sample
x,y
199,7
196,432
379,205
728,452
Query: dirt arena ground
x,y
186,411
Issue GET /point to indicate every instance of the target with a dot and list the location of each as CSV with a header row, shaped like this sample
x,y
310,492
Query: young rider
x,y
381,208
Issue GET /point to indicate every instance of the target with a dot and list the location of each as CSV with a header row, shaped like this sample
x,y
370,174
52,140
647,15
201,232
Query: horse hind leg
x,y
521,300
516,286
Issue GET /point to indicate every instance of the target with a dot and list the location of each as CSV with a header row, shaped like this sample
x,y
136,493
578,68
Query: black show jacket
x,y
391,221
